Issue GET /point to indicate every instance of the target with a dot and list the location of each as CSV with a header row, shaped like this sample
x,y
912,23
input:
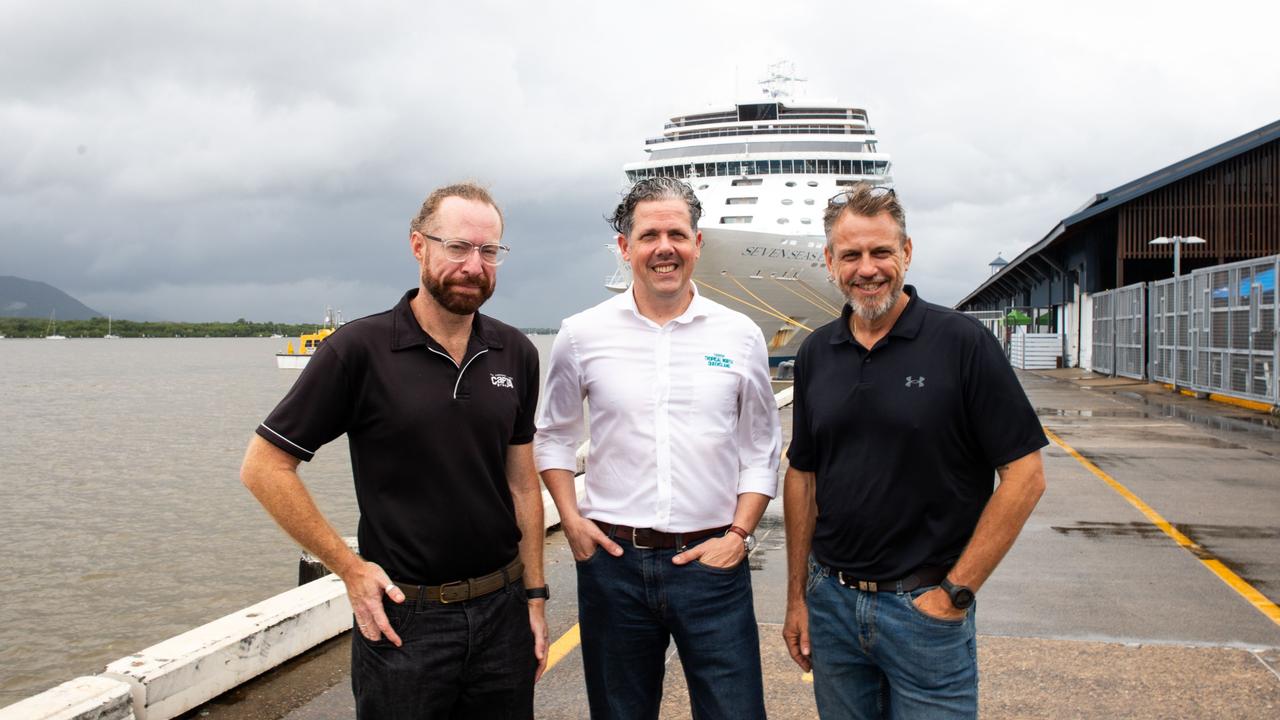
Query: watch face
x,y
962,598
751,542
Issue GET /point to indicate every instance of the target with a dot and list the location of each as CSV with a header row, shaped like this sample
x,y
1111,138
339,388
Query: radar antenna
x,y
780,77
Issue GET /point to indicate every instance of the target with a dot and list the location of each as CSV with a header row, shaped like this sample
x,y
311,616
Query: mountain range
x,y
21,298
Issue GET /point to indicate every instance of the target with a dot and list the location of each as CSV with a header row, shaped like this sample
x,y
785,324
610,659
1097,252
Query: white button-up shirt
x,y
682,416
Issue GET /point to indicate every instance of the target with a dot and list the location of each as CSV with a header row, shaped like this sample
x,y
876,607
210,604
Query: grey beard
x,y
874,312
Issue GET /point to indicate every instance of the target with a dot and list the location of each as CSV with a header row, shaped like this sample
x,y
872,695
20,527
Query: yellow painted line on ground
x,y
1233,581
807,677
563,646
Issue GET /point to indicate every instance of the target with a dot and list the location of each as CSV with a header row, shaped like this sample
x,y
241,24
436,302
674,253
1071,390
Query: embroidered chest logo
x,y
500,380
719,360
915,381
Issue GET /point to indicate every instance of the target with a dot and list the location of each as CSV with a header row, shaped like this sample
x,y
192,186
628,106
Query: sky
x,y
218,160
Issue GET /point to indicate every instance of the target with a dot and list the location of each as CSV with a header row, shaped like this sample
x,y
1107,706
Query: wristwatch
x,y
747,538
961,595
538,593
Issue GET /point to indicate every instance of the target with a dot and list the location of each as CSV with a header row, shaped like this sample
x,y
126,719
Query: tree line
x,y
97,327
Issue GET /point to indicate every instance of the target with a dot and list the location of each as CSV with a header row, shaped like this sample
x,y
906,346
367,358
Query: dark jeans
x,y
471,659
875,655
630,608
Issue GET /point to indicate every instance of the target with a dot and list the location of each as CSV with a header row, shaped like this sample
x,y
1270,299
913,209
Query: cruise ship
x,y
764,171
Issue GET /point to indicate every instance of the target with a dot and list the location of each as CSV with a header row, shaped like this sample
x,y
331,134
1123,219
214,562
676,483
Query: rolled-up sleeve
x,y
759,432
560,418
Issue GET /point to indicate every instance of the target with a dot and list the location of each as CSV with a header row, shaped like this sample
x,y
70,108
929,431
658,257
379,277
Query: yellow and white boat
x,y
296,359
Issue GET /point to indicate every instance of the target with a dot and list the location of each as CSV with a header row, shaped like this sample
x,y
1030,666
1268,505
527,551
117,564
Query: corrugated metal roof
x,y
1177,171
1114,198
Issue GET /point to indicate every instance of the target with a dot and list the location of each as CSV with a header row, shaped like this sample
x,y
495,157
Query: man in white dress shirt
x,y
683,461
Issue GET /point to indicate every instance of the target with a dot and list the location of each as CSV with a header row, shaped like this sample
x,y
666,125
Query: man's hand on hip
x,y
366,583
721,552
795,632
937,604
584,535
538,624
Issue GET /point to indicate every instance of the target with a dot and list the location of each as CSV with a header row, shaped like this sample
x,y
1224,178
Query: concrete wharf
x,y
1144,586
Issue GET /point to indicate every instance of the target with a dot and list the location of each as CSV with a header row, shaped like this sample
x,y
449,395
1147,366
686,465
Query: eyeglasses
x,y
842,197
459,250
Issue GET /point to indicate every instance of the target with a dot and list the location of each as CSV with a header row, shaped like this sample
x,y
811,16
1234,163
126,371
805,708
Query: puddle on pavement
x,y
1268,425
1201,534
1058,412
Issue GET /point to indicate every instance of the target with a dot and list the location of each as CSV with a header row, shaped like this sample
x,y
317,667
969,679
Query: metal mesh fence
x,y
1215,330
1120,331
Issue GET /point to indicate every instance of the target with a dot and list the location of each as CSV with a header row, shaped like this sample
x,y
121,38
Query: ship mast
x,y
779,80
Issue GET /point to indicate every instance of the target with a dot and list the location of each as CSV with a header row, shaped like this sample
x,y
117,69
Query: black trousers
x,y
471,659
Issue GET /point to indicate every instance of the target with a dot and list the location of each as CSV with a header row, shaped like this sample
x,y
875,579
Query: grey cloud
x,y
240,159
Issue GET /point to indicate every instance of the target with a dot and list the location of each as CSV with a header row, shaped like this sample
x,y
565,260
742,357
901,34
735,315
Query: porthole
x,y
791,183
813,183
783,221
787,201
808,201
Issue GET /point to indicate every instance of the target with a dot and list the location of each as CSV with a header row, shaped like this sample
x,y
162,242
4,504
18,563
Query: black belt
x,y
468,589
920,578
649,539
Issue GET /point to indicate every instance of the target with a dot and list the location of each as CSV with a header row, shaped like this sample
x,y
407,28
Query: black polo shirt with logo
x,y
904,438
428,438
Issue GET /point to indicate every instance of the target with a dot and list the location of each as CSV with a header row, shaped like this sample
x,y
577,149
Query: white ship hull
x,y
285,361
764,171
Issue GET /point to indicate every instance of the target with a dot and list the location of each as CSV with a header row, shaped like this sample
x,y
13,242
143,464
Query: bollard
x,y
310,568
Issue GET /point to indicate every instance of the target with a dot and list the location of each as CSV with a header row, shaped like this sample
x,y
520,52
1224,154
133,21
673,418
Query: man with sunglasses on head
x,y
437,402
904,413
684,453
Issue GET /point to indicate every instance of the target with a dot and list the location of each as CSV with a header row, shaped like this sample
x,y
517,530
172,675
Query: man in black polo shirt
x,y
903,413
437,402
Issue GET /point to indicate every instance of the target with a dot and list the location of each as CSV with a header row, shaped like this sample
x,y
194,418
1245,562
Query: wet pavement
x,y
1096,613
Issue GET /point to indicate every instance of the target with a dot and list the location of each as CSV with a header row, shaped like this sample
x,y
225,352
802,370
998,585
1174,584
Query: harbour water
x,y
123,518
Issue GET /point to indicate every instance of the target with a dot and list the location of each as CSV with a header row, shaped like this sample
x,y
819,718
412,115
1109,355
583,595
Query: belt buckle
x,y
636,543
445,585
863,585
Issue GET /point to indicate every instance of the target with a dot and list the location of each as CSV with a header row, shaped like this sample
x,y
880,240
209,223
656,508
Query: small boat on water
x,y
296,359
51,331
110,335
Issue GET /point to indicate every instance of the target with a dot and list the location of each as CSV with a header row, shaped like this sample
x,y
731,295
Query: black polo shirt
x,y
904,438
428,439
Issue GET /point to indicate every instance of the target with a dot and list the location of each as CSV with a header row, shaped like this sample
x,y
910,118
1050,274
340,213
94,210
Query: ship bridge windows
x,y
735,219
825,166
758,111
741,201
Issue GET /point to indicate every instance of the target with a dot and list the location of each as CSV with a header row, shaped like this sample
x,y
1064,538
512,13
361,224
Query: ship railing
x,y
782,130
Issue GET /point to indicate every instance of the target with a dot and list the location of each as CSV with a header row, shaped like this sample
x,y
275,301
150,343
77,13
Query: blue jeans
x,y
876,656
471,659
630,607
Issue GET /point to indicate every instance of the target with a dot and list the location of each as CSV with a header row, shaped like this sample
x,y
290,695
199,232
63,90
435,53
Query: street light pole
x,y
1177,241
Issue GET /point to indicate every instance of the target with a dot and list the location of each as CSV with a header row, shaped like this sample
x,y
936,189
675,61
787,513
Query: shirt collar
x,y
907,325
407,333
699,307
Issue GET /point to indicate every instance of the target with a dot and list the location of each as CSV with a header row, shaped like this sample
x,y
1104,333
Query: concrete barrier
x,y
184,671
85,698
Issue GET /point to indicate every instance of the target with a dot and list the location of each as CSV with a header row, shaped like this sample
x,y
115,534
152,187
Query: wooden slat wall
x,y
1235,205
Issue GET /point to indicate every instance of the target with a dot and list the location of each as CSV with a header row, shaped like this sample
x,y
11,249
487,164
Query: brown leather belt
x,y
469,589
920,578
648,539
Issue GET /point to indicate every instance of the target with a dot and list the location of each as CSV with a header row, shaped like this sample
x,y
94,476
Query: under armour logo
x,y
915,381
500,380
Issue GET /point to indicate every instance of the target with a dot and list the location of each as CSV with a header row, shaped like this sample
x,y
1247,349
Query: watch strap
x,y
537,593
